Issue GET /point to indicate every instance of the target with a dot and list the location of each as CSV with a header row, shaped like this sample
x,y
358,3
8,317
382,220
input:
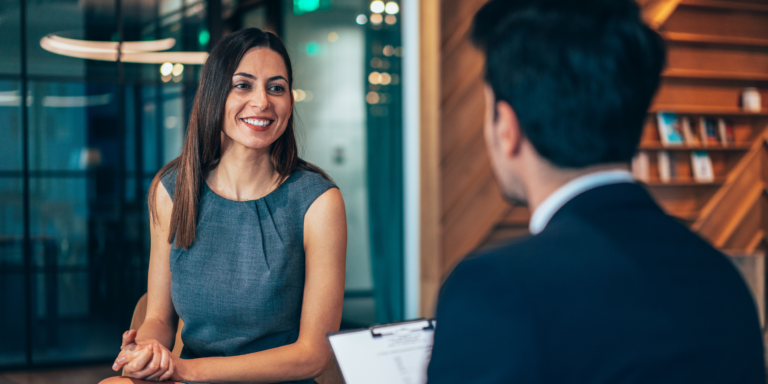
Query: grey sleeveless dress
x,y
239,287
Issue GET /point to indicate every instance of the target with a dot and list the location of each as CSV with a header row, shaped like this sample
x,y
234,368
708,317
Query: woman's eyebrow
x,y
248,75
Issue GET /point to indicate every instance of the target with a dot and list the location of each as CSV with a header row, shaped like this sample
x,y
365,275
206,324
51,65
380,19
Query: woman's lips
x,y
257,124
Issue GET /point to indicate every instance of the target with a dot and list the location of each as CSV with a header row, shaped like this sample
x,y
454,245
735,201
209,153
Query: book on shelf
x,y
667,169
708,132
691,139
669,129
701,164
641,166
725,131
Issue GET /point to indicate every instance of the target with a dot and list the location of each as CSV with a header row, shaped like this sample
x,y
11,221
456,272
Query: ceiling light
x,y
130,51
377,6
392,8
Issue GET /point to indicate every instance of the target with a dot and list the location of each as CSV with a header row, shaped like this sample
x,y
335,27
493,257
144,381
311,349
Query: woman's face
x,y
260,102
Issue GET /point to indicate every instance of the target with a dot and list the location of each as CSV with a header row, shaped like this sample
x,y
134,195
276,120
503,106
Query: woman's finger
x,y
169,373
139,362
164,359
128,337
126,354
152,366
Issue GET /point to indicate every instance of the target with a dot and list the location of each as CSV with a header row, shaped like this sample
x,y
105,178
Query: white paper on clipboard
x,y
395,353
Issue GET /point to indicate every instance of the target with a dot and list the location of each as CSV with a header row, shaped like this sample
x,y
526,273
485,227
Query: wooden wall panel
x,y
736,59
712,21
714,54
429,111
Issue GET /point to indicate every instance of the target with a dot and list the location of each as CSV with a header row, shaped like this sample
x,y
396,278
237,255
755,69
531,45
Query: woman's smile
x,y
257,123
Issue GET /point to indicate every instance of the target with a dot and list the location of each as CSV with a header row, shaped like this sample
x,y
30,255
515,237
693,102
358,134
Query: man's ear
x,y
510,136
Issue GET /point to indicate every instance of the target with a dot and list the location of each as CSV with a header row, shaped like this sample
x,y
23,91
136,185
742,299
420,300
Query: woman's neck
x,y
242,173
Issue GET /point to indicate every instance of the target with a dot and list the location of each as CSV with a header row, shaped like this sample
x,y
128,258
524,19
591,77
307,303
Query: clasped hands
x,y
146,359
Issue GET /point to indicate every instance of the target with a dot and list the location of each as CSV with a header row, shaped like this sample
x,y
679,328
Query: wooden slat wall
x,y
470,201
466,207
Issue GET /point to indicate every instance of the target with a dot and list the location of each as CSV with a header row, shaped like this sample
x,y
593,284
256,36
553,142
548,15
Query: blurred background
x,y
82,140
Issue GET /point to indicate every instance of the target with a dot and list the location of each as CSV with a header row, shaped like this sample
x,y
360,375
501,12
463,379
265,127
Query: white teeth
x,y
260,123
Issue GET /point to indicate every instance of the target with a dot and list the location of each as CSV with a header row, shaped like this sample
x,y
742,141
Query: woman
x,y
248,240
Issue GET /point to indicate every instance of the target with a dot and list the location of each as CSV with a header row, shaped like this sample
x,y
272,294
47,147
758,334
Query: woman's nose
x,y
259,99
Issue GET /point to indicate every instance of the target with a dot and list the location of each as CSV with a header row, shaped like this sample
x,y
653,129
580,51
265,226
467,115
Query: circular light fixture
x,y
130,51
361,19
166,69
391,19
392,8
377,18
377,6
333,37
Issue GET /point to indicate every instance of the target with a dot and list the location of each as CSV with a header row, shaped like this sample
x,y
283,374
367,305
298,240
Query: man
x,y
607,289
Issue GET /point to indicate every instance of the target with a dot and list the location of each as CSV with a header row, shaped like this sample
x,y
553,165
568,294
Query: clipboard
x,y
396,353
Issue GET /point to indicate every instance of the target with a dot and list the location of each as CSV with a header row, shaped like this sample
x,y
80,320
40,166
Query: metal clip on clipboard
x,y
401,327
396,353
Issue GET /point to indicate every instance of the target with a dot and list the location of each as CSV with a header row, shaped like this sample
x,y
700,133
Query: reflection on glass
x,y
64,326
83,20
10,44
12,302
73,126
150,116
59,211
10,125
173,122
13,327
11,224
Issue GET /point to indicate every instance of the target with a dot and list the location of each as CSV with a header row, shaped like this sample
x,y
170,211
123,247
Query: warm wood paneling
x,y
716,49
471,203
429,110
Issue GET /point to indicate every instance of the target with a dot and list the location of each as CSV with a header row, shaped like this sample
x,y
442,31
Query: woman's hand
x,y
146,359
153,363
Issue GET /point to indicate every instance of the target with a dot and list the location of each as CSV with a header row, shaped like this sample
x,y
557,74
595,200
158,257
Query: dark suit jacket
x,y
611,291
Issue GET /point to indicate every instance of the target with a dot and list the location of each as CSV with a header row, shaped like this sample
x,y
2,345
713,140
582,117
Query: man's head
x,y
568,83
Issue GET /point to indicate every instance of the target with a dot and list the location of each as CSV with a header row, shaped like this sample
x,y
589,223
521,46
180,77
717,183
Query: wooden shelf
x,y
660,147
685,216
685,183
706,110
682,37
727,5
680,73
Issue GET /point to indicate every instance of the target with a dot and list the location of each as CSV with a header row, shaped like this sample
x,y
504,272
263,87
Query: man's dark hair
x,y
580,75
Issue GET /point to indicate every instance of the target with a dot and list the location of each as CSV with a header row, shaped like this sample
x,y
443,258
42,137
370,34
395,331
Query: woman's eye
x,y
242,86
277,88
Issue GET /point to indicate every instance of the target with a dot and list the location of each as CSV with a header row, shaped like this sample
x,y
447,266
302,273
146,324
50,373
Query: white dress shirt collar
x,y
571,189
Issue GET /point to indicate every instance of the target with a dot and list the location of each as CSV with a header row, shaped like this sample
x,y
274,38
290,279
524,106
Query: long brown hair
x,y
202,147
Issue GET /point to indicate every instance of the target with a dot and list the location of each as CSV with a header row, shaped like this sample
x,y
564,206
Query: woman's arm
x,y
160,323
325,244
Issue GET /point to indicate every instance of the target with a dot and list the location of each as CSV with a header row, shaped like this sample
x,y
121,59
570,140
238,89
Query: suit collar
x,y
547,209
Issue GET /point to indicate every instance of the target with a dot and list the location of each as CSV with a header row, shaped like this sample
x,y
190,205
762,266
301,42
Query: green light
x,y
305,6
313,48
204,37
301,7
